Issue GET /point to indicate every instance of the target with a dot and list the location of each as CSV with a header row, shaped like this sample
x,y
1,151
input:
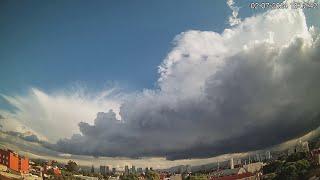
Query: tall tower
x,y
231,164
126,169
268,154
133,169
107,169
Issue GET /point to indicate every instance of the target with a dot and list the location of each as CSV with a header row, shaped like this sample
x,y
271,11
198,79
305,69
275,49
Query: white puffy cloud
x,y
200,54
233,19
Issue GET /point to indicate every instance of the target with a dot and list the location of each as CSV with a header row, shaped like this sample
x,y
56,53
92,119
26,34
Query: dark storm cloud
x,y
228,118
262,95
25,136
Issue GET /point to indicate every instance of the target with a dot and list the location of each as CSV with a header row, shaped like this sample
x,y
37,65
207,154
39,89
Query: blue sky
x,y
53,44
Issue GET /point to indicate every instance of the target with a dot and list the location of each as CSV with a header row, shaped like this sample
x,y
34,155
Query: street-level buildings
x,y
14,161
103,170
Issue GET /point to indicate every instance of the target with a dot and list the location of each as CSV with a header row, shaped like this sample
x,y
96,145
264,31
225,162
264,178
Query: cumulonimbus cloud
x,y
252,86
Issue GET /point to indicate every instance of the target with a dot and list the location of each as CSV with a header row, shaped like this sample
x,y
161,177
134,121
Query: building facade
x,y
103,170
13,161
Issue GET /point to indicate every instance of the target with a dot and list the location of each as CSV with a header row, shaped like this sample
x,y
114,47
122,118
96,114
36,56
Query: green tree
x,y
39,162
72,166
296,157
130,177
302,166
272,167
288,172
152,175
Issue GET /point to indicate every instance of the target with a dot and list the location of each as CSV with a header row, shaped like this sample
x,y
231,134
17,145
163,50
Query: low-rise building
x,y
37,171
140,170
236,173
52,170
228,172
56,171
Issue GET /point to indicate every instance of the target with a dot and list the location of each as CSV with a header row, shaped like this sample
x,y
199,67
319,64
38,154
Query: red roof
x,y
315,151
233,177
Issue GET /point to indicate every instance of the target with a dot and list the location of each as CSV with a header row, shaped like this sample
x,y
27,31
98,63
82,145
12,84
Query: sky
x,y
54,44
79,46
173,79
92,48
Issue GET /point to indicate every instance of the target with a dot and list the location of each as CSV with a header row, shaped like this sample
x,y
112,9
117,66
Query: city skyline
x,y
143,82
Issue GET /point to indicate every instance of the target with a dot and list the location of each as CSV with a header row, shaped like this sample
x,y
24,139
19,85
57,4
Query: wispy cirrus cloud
x,y
56,115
